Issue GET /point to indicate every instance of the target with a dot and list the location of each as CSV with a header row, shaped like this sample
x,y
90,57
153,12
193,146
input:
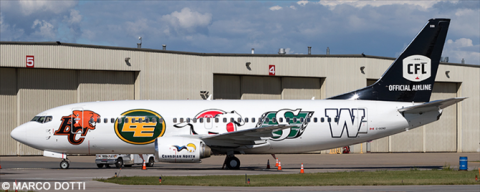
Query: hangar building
x,y
35,76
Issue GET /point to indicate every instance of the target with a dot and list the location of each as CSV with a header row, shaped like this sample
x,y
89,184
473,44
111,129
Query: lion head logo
x,y
77,125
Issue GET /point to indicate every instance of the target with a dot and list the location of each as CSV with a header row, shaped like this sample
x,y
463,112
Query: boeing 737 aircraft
x,y
182,131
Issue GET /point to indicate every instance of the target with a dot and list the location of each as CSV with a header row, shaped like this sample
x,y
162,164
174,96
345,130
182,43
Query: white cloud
x,y
32,6
45,29
275,8
187,19
377,3
293,7
74,18
462,48
302,2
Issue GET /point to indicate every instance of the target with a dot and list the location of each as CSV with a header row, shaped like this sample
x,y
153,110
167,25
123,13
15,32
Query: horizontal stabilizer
x,y
242,137
430,106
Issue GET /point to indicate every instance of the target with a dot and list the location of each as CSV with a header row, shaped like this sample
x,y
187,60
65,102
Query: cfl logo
x,y
416,68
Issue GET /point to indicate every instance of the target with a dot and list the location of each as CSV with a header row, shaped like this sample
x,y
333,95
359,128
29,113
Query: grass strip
x,y
383,177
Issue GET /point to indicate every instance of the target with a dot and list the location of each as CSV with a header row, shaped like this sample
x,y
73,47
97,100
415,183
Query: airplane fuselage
x,y
319,124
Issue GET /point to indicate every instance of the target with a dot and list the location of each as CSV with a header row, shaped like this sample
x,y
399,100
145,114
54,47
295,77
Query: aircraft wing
x,y
432,105
242,137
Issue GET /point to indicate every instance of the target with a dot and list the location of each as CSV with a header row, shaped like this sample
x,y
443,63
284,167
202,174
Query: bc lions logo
x,y
83,121
207,125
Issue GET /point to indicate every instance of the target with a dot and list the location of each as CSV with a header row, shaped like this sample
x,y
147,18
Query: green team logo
x,y
139,126
296,118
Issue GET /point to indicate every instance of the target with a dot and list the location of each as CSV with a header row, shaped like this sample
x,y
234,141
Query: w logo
x,y
345,119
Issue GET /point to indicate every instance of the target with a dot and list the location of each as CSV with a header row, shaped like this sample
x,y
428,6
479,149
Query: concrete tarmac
x,y
83,169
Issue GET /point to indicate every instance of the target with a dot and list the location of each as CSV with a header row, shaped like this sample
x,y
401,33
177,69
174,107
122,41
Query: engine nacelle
x,y
181,150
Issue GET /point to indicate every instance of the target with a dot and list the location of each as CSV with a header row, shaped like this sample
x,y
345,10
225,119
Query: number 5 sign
x,y
30,61
271,70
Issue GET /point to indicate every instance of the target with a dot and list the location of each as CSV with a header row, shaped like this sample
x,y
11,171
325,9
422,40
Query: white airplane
x,y
182,131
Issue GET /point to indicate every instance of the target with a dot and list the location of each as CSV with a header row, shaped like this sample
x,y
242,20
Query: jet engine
x,y
181,150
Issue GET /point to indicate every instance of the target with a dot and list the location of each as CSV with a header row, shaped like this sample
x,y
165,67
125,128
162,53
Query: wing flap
x,y
242,137
433,105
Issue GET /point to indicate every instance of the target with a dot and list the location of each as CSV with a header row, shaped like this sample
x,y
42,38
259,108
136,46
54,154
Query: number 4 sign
x,y
271,70
30,61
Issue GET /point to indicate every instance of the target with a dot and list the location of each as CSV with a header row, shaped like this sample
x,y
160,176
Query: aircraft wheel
x,y
64,164
99,165
233,163
119,163
150,162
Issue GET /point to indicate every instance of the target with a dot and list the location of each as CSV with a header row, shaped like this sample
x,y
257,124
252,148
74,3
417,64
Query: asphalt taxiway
x,y
83,169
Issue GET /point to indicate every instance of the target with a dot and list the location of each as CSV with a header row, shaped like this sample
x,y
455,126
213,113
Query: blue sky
x,y
381,28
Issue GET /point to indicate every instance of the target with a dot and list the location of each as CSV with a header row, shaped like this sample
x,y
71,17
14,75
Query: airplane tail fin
x,y
412,74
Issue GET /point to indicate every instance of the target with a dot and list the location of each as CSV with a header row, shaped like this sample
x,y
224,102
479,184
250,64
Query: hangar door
x,y
266,87
439,136
26,92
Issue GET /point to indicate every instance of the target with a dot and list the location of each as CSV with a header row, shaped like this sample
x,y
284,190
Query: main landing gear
x,y
231,162
65,164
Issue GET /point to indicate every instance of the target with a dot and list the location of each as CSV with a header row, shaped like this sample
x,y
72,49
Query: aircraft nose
x,y
20,134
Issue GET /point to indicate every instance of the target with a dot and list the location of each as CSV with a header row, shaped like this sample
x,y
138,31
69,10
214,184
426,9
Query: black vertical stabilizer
x,y
412,74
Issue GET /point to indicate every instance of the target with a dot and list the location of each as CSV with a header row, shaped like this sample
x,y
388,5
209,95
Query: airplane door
x,y
208,121
77,120
361,120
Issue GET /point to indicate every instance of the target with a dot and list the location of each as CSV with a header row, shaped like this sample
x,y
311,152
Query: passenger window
x,y
200,120
154,120
194,120
246,119
126,119
208,120
105,120
336,119
160,120
140,120
308,120
253,119
181,120
133,120
301,119
232,120
224,120
188,120
322,120
294,119
99,120
239,119
287,119
280,119
216,120
147,120
259,119
329,120
48,119
174,120
315,119
91,120
112,120
267,120
119,120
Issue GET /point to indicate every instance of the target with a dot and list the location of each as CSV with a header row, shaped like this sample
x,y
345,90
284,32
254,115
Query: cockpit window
x,y
42,119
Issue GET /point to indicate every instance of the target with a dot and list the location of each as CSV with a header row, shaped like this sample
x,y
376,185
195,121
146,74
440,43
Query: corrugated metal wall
x,y
266,87
25,93
8,110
